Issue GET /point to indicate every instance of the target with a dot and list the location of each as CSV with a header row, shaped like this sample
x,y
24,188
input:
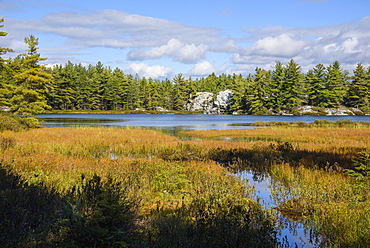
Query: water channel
x,y
294,233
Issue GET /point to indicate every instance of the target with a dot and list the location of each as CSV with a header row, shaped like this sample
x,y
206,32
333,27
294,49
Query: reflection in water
x,y
294,232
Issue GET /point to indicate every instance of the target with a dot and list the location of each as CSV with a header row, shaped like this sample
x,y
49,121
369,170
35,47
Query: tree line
x,y
28,88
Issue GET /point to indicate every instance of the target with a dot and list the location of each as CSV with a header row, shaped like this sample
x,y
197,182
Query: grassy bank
x,y
105,187
119,188
321,175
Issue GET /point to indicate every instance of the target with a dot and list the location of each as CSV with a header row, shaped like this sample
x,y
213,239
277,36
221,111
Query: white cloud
x,y
279,46
202,69
228,47
144,70
342,42
76,36
191,53
349,45
205,68
113,28
185,53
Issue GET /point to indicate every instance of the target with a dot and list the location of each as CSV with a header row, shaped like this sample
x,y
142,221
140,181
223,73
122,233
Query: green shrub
x,y
16,123
100,214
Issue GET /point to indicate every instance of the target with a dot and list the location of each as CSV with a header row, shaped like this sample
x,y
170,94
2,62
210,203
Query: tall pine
x,y
291,87
317,88
32,83
6,89
336,85
359,89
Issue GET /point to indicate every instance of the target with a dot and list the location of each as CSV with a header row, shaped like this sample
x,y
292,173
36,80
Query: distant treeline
x,y
28,88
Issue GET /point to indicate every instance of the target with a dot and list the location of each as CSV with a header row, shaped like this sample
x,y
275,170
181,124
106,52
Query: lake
x,y
176,121
172,123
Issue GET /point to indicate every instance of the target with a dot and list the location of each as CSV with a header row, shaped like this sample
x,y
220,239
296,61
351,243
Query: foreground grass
x,y
321,175
99,187
96,187
329,201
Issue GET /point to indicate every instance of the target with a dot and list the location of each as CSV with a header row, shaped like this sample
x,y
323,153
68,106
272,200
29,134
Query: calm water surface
x,y
171,123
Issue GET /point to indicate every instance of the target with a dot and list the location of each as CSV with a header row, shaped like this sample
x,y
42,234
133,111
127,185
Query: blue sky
x,y
162,38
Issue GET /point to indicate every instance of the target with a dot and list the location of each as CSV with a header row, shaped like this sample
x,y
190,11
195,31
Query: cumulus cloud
x,y
70,34
201,69
185,53
113,28
279,46
154,71
206,68
227,47
324,44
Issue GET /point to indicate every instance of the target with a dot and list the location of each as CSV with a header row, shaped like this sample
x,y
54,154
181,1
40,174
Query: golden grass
x,y
343,142
340,212
167,172
58,157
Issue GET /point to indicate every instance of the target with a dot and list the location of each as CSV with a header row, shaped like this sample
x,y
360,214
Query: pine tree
x,y
180,93
3,50
115,90
316,80
238,88
6,89
277,82
61,94
133,100
165,91
291,87
359,89
336,85
30,95
153,96
258,92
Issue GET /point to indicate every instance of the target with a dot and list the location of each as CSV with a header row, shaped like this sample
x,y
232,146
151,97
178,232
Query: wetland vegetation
x,y
122,187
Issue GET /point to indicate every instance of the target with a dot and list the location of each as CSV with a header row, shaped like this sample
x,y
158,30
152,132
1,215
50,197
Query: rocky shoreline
x,y
210,103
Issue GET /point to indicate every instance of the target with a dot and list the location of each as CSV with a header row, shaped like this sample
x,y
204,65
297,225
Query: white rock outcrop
x,y
210,103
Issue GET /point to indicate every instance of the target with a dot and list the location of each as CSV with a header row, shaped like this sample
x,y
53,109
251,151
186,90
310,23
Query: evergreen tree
x,y
3,50
153,96
165,91
115,90
180,94
258,92
316,80
61,94
80,87
291,87
359,89
6,90
133,100
238,87
30,95
336,85
277,82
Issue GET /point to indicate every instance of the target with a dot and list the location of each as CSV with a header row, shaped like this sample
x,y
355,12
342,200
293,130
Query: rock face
x,y
201,102
304,110
210,103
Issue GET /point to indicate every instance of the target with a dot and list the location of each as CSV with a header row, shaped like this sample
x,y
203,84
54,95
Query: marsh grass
x,y
156,191
320,174
312,147
329,199
142,188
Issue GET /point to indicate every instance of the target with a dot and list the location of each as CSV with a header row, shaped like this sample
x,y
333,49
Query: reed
x,y
309,146
180,193
120,187
329,199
